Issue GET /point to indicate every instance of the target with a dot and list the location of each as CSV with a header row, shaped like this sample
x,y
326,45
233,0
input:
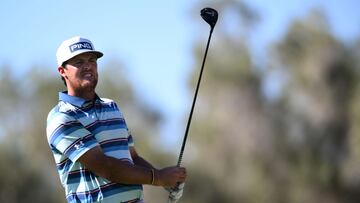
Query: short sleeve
x,y
70,137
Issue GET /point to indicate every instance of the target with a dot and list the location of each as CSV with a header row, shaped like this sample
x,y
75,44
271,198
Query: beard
x,y
83,84
89,83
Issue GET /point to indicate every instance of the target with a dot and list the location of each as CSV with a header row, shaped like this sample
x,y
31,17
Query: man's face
x,y
80,72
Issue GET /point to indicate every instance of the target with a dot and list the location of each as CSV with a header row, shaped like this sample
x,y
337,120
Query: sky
x,y
153,39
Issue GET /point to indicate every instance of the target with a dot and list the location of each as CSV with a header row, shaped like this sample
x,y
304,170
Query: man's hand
x,y
170,177
175,193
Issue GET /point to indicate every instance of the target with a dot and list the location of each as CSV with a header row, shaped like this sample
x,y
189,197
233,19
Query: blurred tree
x,y
22,179
316,105
351,172
246,148
230,125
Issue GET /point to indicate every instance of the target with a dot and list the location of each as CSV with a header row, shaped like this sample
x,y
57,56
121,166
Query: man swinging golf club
x,y
93,149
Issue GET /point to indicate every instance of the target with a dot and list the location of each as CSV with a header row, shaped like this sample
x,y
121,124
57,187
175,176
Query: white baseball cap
x,y
73,47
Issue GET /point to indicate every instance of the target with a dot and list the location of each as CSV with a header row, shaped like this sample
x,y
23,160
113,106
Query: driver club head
x,y
210,15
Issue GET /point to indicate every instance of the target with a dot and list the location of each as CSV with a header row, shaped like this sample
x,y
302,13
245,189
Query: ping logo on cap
x,y
80,45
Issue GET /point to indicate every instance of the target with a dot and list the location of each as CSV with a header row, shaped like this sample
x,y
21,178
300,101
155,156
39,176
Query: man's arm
x,y
121,171
138,160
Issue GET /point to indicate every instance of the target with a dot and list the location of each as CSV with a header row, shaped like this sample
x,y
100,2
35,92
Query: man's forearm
x,y
129,174
139,161
122,171
115,170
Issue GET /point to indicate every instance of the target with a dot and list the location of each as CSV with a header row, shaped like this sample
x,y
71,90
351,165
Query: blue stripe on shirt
x,y
75,176
79,144
110,124
81,112
106,190
63,130
114,145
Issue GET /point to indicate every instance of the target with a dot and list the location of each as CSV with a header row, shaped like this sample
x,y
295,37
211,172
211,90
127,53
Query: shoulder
x,y
62,111
111,107
55,113
58,116
109,103
106,101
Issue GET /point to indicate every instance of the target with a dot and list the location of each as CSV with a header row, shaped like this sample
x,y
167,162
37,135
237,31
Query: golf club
x,y
210,16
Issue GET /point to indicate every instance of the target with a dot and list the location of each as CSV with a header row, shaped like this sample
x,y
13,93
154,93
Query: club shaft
x,y
194,101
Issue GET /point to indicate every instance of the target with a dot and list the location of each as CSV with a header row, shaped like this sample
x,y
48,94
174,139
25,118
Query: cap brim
x,y
97,53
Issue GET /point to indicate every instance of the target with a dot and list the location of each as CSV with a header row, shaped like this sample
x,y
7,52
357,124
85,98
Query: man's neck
x,y
85,94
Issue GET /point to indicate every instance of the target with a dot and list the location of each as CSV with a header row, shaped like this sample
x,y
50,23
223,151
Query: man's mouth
x,y
87,75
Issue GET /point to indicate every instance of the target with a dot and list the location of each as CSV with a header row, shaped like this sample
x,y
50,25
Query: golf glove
x,y
175,193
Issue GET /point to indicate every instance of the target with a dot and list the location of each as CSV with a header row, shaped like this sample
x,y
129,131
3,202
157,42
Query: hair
x,y
62,78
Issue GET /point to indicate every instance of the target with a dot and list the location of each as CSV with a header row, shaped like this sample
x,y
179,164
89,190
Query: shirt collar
x,y
76,101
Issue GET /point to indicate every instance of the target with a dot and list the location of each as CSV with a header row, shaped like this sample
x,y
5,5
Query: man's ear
x,y
61,71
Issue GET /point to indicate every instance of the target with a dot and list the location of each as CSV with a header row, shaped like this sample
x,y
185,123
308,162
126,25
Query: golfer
x,y
93,149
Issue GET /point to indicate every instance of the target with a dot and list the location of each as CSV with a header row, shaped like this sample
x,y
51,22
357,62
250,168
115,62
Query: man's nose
x,y
87,65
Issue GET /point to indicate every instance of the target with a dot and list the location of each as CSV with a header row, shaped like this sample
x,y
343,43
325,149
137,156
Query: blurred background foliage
x,y
300,144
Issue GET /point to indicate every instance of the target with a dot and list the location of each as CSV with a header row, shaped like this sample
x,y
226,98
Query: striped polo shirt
x,y
74,126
